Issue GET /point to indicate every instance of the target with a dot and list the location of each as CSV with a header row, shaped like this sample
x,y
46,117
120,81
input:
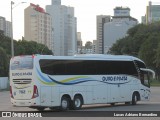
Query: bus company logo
x,y
22,74
6,114
20,114
114,79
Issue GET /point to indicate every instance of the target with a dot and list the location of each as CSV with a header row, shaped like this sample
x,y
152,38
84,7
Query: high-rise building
x,y
121,11
8,29
143,19
5,26
101,20
118,27
95,47
152,12
64,28
79,43
38,26
79,38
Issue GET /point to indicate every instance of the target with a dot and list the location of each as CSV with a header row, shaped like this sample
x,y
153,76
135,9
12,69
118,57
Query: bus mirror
x,y
148,70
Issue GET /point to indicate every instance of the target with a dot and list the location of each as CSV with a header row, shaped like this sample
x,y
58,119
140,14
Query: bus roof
x,y
90,57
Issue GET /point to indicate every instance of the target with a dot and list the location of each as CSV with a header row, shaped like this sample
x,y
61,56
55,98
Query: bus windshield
x,y
22,62
145,77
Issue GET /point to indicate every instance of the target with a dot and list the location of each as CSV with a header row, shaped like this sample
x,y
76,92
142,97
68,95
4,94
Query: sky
x,y
85,11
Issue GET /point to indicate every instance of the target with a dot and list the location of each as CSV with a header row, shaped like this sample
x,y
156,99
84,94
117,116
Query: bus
x,y
68,82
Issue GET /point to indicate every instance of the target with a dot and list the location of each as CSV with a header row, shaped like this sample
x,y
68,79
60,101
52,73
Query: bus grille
x,y
22,81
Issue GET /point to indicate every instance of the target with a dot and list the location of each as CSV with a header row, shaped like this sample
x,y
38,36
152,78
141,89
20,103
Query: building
x,y
143,19
5,26
101,20
64,27
121,11
38,26
152,12
87,49
8,29
95,47
118,27
79,43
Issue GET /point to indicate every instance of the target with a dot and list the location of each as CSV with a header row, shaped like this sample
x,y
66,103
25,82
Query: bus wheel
x,y
127,103
112,104
64,104
40,108
77,102
53,108
134,99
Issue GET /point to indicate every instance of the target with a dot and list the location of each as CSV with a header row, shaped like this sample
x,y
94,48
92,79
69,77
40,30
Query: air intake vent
x,y
22,81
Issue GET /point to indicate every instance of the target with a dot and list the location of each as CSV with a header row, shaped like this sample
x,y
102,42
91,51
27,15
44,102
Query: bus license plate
x,y
22,91
22,103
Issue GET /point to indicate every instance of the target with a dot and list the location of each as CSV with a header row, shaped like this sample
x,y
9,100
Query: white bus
x,y
68,82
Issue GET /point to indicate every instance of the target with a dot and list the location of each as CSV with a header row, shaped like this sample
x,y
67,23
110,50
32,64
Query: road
x,y
152,105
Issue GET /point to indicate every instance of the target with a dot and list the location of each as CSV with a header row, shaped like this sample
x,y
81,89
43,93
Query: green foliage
x,y
88,45
155,83
5,43
30,47
4,63
21,47
143,41
148,50
157,57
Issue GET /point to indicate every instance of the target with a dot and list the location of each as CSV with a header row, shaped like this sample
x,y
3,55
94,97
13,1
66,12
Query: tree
x,y
147,51
31,47
143,41
88,45
4,63
157,62
21,47
157,58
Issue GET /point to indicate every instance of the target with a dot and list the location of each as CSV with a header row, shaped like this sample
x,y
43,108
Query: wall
x,y
4,83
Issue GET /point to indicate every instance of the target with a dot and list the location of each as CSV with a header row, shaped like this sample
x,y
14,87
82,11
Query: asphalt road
x,y
152,105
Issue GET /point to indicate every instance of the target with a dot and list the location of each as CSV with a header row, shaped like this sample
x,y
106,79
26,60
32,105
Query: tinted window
x,y
87,67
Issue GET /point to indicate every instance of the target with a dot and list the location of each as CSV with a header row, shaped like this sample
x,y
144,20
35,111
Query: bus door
x,y
145,81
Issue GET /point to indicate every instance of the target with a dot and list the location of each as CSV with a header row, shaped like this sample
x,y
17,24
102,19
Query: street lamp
x,y
12,45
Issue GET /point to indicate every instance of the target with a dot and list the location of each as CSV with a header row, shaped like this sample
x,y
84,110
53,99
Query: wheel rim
x,y
77,102
64,104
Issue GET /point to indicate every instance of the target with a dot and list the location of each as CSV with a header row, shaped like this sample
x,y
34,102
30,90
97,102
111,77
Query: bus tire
x,y
134,99
64,103
54,108
77,102
112,104
127,103
40,108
